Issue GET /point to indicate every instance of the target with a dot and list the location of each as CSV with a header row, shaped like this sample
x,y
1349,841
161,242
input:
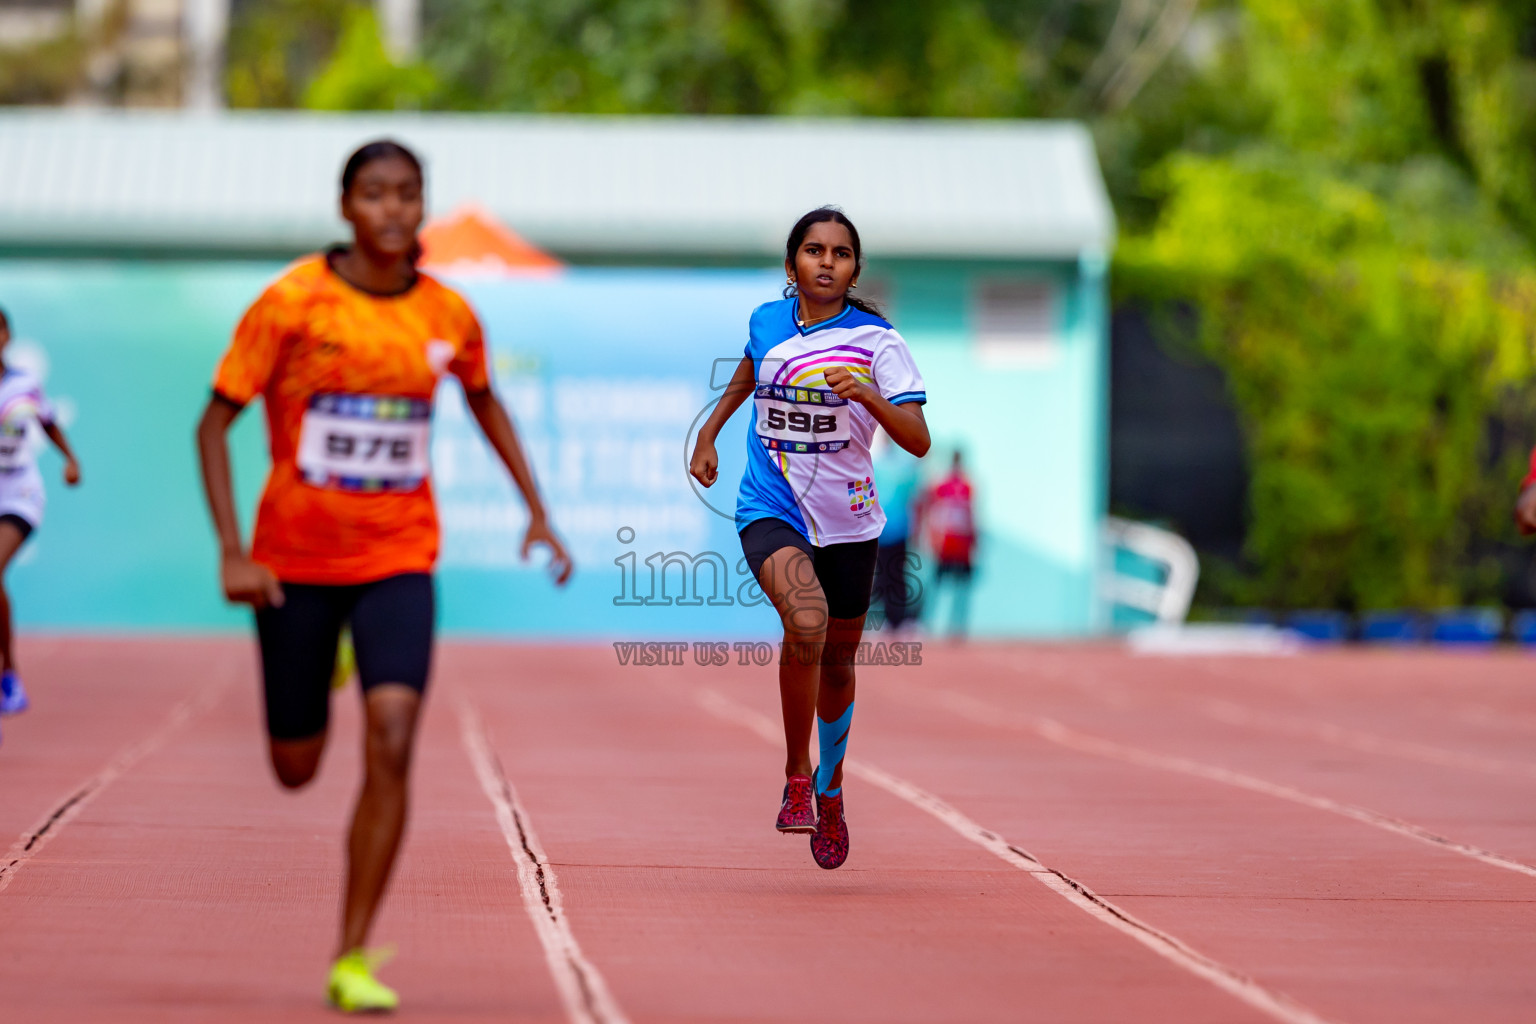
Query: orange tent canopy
x,y
471,240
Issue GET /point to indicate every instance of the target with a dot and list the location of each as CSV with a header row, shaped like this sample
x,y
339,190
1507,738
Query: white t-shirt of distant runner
x,y
808,459
23,410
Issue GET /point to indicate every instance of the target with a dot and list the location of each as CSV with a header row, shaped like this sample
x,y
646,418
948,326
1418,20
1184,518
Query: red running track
x,y
1039,834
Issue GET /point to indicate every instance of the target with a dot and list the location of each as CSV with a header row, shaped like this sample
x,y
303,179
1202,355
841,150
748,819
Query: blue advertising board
x,y
605,372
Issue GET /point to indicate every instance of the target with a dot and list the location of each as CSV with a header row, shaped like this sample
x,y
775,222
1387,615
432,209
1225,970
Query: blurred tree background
x,y
1333,201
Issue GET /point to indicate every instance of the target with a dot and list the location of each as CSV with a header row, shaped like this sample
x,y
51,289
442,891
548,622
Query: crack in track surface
x,y
582,988
34,839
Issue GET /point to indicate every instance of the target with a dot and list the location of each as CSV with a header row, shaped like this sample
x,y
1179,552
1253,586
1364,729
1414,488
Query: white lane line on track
x,y
1275,1004
1365,742
1231,713
45,831
581,986
1063,736
1446,701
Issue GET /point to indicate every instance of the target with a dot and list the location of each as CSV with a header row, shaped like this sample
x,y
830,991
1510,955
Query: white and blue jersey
x,y
807,449
23,408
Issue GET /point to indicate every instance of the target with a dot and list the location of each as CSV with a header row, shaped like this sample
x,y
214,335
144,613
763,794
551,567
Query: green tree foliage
x,y
1369,322
1382,80
918,58
607,56
1361,266
361,76
277,48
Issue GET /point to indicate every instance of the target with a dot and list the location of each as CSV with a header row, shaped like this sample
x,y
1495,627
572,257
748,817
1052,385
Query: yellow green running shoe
x,y
354,989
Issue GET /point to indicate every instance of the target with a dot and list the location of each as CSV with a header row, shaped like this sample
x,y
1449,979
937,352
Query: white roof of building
x,y
724,187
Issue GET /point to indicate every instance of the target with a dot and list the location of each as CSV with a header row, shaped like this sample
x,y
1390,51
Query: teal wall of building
x,y
1033,435
129,347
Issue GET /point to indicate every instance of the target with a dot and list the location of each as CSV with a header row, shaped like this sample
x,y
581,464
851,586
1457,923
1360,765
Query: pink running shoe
x,y
829,843
797,814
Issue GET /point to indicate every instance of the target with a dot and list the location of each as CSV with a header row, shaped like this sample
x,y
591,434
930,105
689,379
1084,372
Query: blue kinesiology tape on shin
x,y
834,744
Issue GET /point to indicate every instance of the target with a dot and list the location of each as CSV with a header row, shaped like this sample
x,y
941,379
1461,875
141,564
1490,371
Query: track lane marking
x,y
1061,735
1233,713
1274,1004
1433,705
32,841
1116,697
581,986
1444,699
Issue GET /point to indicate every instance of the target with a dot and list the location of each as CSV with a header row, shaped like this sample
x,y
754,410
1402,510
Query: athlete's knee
x,y
391,737
803,644
294,776
806,635
295,762
836,674
839,652
390,757
806,621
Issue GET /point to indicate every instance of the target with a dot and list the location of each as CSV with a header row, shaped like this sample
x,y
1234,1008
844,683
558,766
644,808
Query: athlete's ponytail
x,y
381,149
821,215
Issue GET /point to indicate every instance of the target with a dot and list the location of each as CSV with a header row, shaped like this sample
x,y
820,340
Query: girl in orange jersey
x,y
346,349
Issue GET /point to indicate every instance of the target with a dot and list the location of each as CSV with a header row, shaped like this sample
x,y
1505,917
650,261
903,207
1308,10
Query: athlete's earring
x,y
789,282
852,285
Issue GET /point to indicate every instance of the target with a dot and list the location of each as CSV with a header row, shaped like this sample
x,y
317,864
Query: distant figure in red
x,y
1525,505
950,523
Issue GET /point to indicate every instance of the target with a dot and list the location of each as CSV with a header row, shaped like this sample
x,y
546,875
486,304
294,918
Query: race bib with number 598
x,y
809,420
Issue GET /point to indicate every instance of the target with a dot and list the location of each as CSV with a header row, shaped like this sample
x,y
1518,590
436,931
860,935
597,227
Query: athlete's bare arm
x,y
497,426
244,580
905,422
71,464
705,464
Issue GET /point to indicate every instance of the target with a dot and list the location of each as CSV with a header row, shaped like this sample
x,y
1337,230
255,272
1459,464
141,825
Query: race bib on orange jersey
x,y
810,420
365,442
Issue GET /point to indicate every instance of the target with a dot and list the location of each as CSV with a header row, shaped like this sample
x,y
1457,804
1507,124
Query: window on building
x,y
1015,322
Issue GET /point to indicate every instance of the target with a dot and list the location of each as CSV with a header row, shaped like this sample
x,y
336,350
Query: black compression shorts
x,y
21,524
846,572
392,625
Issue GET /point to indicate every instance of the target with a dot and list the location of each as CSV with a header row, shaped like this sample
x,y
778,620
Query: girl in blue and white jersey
x,y
24,410
823,370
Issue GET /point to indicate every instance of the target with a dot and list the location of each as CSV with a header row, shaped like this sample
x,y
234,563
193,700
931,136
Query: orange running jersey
x,y
348,379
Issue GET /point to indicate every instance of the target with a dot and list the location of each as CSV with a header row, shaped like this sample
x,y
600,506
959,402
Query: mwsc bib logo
x,y
861,495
